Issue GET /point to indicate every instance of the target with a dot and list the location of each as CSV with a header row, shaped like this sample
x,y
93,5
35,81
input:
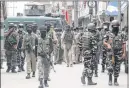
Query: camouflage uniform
x,y
43,63
11,51
20,54
115,53
88,45
105,31
58,51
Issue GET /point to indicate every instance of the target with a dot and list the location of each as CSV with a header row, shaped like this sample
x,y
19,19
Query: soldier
x,y
115,51
21,54
88,50
34,29
53,39
104,52
11,48
67,39
80,45
99,52
74,47
44,59
29,47
58,51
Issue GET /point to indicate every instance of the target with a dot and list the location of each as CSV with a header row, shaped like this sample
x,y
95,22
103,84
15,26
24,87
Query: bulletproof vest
x,y
29,42
44,44
68,37
117,42
86,40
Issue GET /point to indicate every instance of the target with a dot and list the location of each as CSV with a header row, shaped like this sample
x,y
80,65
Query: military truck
x,y
35,13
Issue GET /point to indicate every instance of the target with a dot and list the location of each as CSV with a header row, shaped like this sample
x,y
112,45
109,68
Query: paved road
x,y
63,78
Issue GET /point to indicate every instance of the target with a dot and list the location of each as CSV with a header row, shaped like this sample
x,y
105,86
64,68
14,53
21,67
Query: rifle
x,y
47,56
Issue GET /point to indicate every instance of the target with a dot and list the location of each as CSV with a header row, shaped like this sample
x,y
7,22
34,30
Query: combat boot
x,y
103,68
83,80
110,80
33,75
71,65
67,65
19,68
90,82
115,82
45,83
48,79
8,69
41,83
28,76
22,68
13,70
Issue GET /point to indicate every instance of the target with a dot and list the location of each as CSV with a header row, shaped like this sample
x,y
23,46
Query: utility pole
x,y
119,10
2,18
128,14
75,13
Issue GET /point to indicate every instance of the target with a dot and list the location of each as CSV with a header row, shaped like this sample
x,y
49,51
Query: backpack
x,y
10,40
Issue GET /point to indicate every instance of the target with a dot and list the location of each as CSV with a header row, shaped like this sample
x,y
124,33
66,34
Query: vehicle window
x,y
28,22
55,23
15,22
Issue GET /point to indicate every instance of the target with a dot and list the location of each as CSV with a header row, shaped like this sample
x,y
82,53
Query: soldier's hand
x,y
55,42
109,46
123,56
15,46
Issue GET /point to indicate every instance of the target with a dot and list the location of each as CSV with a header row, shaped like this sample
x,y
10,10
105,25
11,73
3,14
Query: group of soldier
x,y
73,46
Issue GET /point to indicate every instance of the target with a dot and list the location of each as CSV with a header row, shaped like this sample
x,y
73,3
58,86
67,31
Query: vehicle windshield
x,y
55,23
34,10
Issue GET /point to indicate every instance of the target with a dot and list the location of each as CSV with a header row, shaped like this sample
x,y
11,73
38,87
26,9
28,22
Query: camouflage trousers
x,y
20,59
104,57
113,68
11,58
87,71
43,68
94,64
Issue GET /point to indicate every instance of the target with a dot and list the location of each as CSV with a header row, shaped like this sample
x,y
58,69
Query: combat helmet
x,y
115,23
20,26
91,26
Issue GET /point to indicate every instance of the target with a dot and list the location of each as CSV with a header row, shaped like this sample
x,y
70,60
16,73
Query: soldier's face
x,y
115,30
29,30
34,29
43,34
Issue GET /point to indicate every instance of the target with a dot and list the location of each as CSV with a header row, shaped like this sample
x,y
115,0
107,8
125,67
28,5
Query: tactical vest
x,y
68,37
86,40
117,42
